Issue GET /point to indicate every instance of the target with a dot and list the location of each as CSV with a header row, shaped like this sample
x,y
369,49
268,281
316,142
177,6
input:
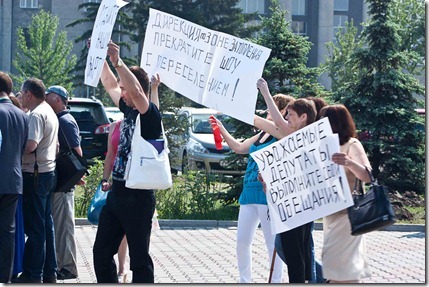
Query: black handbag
x,y
371,210
70,168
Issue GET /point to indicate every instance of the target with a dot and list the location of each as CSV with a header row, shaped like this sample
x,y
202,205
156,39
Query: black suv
x,y
93,124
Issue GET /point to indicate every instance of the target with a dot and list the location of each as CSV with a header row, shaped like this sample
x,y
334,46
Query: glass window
x,y
341,5
29,4
340,23
298,7
299,27
252,6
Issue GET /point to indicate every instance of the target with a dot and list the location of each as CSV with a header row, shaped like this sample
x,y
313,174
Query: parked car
x,y
114,114
93,124
199,151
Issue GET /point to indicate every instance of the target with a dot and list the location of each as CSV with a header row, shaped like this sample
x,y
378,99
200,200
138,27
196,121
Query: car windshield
x,y
88,113
201,124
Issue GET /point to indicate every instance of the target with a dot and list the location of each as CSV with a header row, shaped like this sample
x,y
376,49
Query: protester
x,y
317,276
13,139
19,218
253,202
343,255
63,202
295,243
38,166
127,211
112,148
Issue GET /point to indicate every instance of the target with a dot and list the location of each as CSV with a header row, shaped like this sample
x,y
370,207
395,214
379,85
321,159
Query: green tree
x,y
43,53
286,69
410,18
382,103
340,69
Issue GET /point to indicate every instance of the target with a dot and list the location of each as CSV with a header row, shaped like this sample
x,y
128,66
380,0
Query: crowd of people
x,y
36,124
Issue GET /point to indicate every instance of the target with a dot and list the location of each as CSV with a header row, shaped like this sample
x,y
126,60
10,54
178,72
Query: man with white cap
x,y
63,202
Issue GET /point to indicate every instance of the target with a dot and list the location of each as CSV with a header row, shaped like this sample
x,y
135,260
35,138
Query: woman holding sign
x,y
295,243
253,203
343,255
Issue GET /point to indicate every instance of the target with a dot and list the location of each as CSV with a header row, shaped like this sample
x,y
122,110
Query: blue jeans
x,y
39,253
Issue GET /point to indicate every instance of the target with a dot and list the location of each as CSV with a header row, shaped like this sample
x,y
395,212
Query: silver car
x,y
199,151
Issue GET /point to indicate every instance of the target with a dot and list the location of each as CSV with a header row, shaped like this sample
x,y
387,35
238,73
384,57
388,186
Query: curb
x,y
178,223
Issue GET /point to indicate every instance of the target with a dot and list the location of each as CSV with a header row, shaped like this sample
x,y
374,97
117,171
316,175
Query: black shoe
x,y
49,280
64,274
23,278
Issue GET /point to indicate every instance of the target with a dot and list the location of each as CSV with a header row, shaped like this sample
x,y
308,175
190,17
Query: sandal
x,y
122,278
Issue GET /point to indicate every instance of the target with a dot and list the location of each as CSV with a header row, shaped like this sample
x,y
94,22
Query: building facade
x,y
317,19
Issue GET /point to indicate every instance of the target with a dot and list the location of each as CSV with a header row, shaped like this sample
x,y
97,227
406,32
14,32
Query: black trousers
x,y
127,212
296,244
8,204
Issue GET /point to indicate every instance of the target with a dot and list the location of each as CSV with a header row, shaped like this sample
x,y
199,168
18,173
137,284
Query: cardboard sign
x,y
100,37
211,68
303,184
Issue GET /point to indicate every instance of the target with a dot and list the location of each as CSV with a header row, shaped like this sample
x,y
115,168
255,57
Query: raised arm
x,y
278,119
128,81
110,83
269,127
155,81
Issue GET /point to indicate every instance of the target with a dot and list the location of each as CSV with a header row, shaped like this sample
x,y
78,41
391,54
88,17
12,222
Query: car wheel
x,y
185,163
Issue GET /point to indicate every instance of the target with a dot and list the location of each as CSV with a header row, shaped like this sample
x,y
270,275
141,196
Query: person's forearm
x,y
109,82
234,144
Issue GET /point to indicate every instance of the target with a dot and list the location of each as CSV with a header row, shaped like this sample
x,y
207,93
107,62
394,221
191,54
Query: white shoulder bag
x,y
147,166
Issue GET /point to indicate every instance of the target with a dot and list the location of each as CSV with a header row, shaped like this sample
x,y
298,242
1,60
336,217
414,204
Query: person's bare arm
x,y
355,161
269,127
110,83
278,119
155,81
128,80
237,146
108,161
30,146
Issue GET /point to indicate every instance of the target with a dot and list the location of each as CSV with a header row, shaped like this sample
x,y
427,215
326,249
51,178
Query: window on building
x,y
299,27
340,23
341,5
29,4
91,1
298,7
252,6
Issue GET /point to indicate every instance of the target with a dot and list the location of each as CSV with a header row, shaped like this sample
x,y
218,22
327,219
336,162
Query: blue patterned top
x,y
252,188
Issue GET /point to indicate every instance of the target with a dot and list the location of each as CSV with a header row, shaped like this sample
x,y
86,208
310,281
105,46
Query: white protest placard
x,y
212,68
100,37
303,184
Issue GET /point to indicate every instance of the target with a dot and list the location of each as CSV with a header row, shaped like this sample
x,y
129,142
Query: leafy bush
x,y
85,193
194,195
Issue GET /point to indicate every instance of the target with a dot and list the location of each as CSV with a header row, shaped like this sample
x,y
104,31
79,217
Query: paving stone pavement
x,y
207,255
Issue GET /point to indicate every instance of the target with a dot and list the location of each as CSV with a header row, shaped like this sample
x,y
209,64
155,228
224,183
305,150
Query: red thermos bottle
x,y
217,136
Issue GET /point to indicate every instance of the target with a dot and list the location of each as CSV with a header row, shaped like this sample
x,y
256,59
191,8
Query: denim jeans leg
x,y
38,225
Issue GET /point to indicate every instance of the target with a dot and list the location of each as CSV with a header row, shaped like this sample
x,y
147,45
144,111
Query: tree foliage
x,y
410,18
44,54
381,100
286,68
341,70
